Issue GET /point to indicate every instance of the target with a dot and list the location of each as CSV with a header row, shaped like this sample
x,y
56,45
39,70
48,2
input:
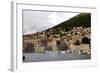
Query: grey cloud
x,y
34,21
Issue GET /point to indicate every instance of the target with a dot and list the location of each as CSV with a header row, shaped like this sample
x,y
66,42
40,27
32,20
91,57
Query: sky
x,y
36,21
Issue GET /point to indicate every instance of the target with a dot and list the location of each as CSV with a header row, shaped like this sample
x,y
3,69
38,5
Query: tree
x,y
77,42
85,40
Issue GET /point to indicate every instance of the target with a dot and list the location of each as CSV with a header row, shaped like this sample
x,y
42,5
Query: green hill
x,y
83,19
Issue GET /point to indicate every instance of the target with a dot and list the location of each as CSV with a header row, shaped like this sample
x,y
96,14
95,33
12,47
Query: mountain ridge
x,y
82,19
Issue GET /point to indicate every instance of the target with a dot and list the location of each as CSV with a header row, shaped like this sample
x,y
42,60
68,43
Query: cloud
x,y
35,21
